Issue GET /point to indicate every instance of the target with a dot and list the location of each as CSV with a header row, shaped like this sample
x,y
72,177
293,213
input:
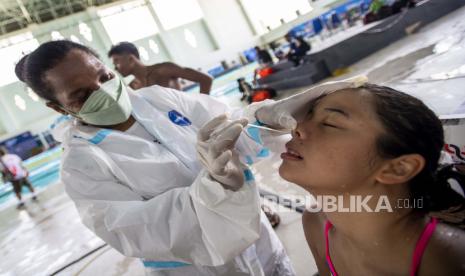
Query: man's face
x,y
124,63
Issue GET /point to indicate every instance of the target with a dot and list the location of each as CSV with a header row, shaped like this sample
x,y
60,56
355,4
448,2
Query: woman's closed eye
x,y
332,122
331,125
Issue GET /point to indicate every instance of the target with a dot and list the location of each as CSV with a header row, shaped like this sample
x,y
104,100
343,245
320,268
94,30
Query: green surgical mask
x,y
110,105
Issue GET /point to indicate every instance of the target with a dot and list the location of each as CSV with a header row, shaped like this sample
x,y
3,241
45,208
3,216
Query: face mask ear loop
x,y
70,112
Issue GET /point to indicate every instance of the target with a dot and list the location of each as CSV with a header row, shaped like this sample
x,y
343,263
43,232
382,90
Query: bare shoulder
x,y
445,252
166,69
164,65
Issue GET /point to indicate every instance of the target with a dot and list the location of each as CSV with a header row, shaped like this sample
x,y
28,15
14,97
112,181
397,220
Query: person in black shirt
x,y
299,48
264,58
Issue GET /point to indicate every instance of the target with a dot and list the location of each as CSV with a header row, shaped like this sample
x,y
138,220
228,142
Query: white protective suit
x,y
154,201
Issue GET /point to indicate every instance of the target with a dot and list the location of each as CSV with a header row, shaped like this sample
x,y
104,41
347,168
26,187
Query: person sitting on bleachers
x,y
299,48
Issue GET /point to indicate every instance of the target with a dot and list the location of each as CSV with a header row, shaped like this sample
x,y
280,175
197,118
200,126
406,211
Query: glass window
x,y
154,46
268,13
190,38
32,94
11,51
85,31
56,35
143,53
75,39
20,102
175,13
128,22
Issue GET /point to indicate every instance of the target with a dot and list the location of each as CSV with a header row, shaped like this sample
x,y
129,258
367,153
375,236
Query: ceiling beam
x,y
52,9
69,7
18,14
26,14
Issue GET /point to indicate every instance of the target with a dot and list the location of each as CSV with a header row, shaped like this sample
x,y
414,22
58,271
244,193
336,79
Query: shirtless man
x,y
125,57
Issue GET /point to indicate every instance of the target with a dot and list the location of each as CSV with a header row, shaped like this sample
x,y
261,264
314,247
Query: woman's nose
x,y
298,132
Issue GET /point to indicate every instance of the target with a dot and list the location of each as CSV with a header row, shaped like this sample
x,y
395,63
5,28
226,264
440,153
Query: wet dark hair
x,y
124,48
411,127
31,68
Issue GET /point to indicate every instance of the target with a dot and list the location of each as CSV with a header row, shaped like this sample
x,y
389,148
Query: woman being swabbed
x,y
376,151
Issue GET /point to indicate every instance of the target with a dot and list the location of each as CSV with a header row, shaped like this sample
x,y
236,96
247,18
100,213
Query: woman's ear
x,y
56,107
401,169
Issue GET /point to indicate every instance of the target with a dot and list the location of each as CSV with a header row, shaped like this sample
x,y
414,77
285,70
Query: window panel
x,y
175,13
128,22
11,51
268,13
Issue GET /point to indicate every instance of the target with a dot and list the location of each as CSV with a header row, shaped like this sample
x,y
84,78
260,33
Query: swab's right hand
x,y
215,148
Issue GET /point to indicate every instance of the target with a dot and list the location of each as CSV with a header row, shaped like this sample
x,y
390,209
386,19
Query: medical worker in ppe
x,y
141,179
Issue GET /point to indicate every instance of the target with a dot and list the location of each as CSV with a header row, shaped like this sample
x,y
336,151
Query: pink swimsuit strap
x,y
417,254
328,226
421,245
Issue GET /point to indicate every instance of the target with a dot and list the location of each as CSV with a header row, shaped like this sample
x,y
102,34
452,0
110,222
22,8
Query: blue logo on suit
x,y
178,118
